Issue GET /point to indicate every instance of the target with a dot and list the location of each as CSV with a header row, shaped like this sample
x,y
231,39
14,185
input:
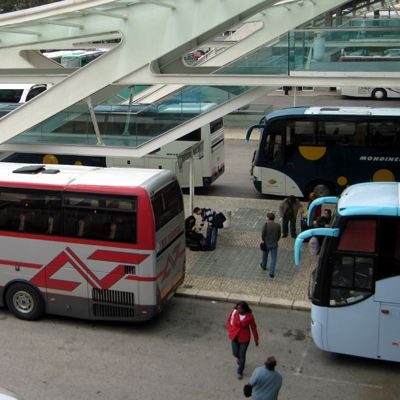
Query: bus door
x,y
387,294
274,181
389,332
300,148
353,314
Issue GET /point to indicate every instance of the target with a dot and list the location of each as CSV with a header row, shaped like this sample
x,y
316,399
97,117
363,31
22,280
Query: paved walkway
x,y
232,272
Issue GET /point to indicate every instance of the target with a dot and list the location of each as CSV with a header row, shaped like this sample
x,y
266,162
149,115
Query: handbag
x,y
263,246
247,390
218,220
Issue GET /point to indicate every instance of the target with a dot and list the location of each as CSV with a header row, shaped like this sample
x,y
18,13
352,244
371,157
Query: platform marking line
x,y
339,381
300,367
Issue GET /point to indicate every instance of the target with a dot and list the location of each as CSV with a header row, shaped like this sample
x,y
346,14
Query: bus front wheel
x,y
321,189
25,302
379,94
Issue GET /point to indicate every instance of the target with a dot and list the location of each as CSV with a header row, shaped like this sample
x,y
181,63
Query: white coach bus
x,y
86,242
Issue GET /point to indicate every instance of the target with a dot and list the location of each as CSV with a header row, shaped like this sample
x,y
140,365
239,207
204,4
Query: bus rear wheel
x,y
25,302
379,94
321,189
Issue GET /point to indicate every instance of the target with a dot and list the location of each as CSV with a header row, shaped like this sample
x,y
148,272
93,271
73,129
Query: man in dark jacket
x,y
288,210
270,236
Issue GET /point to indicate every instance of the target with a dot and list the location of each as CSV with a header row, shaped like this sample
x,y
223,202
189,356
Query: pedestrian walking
x,y
265,381
288,210
239,323
270,235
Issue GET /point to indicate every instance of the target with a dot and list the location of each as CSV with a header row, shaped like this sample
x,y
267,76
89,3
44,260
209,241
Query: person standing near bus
x,y
270,236
199,222
288,211
265,381
208,215
239,323
317,210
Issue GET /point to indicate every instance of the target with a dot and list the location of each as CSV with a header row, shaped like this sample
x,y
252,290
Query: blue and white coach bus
x,y
355,287
325,149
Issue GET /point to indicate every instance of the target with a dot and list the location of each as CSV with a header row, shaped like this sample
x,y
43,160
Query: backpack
x,y
218,220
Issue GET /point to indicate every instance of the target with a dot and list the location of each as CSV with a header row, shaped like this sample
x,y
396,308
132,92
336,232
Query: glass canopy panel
x,y
271,59
368,49
371,22
128,125
364,50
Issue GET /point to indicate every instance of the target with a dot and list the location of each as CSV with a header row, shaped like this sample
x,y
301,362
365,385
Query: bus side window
x,y
303,132
352,276
29,211
167,203
385,134
35,91
109,219
194,136
10,95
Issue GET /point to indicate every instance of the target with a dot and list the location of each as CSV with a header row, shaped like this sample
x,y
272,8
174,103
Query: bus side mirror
x,y
332,232
250,130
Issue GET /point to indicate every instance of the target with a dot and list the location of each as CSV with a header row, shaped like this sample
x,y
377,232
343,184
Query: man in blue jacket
x,y
266,382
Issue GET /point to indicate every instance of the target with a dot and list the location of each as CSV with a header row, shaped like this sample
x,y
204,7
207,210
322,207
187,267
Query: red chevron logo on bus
x,y
67,257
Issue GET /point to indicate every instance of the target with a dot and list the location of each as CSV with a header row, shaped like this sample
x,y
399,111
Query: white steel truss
x,y
152,36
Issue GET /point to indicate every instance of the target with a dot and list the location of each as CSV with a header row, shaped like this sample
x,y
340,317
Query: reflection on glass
x,y
128,125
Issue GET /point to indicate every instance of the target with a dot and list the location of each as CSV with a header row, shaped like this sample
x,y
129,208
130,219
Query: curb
x,y
298,305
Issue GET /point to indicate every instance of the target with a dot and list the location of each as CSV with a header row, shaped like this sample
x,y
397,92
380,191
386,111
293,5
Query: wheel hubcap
x,y
23,302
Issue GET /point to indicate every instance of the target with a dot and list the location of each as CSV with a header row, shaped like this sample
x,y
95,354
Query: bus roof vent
x,y
329,109
35,169
50,171
29,169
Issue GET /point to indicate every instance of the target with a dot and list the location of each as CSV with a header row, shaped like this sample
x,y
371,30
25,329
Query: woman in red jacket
x,y
239,322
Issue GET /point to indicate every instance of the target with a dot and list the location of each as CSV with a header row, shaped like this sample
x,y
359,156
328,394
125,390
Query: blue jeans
x,y
239,351
274,255
212,234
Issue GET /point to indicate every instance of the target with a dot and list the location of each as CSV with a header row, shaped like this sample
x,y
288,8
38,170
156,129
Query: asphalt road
x,y
236,180
184,354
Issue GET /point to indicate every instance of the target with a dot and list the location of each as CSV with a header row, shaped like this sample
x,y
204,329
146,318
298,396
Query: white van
x,y
19,93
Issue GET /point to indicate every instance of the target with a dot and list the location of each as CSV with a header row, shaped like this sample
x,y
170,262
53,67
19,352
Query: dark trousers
x,y
212,234
239,351
286,220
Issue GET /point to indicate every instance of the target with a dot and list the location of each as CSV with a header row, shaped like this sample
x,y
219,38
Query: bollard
x,y
228,216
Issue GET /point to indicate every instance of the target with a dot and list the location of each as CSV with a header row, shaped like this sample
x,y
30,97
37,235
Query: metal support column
x,y
191,184
94,121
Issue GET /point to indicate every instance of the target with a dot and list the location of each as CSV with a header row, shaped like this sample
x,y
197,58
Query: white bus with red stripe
x,y
88,242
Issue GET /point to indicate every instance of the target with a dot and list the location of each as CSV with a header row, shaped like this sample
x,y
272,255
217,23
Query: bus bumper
x,y
318,326
316,333
216,173
257,184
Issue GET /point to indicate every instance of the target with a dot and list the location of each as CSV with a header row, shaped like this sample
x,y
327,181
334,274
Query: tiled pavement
x,y
232,271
